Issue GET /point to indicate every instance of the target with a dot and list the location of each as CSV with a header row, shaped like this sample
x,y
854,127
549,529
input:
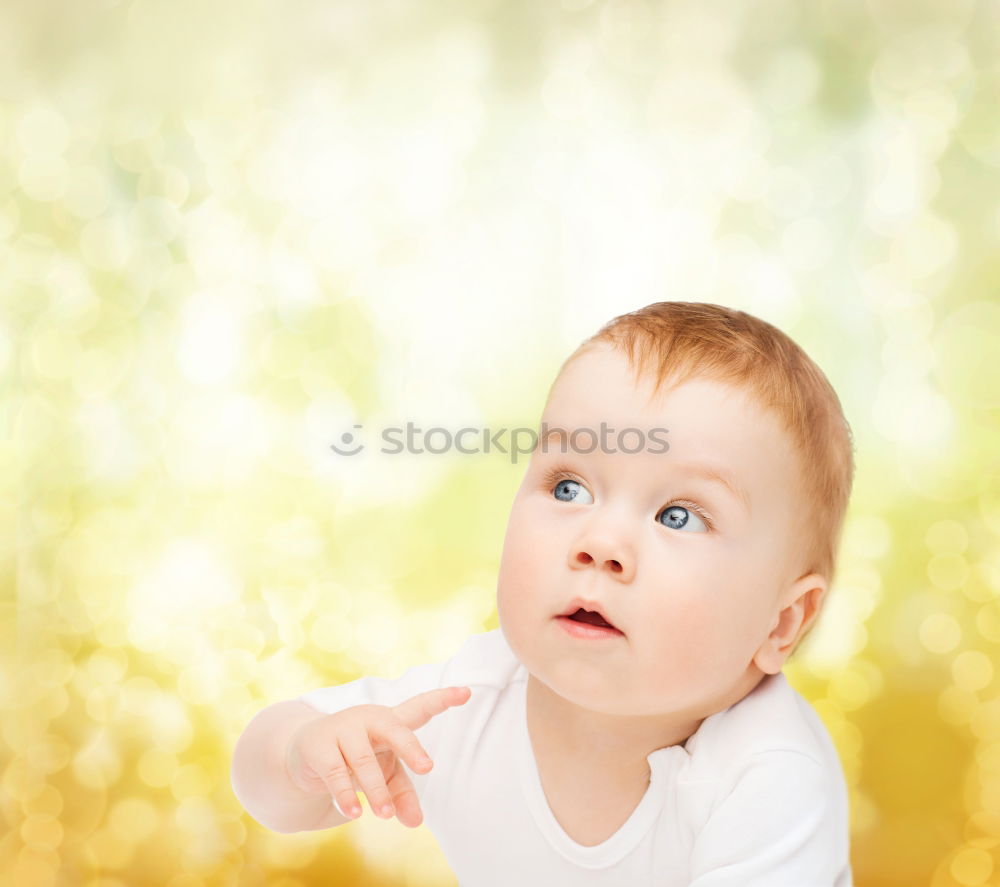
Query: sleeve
x,y
782,824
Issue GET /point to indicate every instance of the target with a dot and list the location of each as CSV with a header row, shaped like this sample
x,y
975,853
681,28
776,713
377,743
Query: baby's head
x,y
711,583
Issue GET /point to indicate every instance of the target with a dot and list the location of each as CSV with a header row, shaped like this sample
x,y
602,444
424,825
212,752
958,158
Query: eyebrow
x,y
701,470
718,477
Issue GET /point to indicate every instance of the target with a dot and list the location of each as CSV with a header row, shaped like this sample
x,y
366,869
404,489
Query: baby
x,y
629,722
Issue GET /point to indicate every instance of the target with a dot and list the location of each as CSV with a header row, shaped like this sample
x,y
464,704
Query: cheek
x,y
521,564
684,629
697,635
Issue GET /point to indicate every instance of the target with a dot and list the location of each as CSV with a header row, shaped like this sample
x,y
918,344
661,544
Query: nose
x,y
602,550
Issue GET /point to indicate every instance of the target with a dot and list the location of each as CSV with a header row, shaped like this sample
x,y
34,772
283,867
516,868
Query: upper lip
x,y
579,603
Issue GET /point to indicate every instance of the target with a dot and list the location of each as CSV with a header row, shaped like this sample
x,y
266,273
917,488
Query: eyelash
x,y
558,473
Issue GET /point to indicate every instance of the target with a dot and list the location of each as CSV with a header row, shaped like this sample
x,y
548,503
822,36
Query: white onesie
x,y
755,797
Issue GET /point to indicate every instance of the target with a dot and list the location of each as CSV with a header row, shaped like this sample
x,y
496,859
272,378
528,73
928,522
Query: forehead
x,y
602,381
706,421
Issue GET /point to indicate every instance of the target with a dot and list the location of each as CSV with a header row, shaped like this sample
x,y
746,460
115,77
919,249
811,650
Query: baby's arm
x,y
260,778
782,824
270,779
292,760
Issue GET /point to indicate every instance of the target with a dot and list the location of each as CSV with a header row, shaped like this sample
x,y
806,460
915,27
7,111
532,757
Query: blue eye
x,y
569,490
679,517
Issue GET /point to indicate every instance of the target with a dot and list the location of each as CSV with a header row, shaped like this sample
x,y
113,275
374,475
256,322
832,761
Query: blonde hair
x,y
672,342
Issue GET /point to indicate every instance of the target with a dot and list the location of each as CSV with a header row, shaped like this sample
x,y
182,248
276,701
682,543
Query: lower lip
x,y
587,631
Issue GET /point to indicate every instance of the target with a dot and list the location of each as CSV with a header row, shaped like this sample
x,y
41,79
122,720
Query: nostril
x,y
584,558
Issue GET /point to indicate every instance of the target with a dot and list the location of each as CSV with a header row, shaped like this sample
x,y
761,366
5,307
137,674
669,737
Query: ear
x,y
800,606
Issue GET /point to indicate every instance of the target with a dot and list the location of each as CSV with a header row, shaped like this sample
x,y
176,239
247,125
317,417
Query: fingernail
x,y
387,810
354,812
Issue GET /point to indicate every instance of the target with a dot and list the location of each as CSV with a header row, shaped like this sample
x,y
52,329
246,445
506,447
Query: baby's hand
x,y
342,753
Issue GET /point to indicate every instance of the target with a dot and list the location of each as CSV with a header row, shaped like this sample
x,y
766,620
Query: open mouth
x,y
583,623
591,618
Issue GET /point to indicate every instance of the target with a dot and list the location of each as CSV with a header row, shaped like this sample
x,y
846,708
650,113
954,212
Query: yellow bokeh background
x,y
232,231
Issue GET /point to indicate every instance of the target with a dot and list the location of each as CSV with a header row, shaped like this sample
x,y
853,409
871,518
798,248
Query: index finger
x,y
419,709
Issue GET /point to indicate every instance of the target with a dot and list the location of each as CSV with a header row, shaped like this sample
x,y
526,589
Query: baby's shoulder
x,y
484,659
770,723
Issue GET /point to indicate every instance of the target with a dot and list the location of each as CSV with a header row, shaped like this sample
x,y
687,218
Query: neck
x,y
615,743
